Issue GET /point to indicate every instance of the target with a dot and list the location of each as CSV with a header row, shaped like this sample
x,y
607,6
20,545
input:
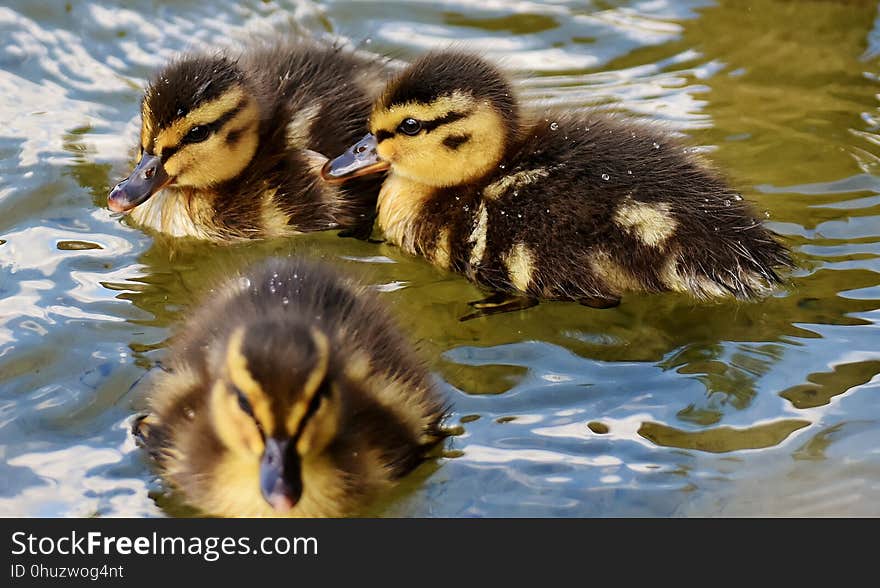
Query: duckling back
x,y
595,206
291,393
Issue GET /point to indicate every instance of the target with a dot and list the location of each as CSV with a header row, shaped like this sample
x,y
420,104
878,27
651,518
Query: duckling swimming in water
x,y
290,394
550,205
228,144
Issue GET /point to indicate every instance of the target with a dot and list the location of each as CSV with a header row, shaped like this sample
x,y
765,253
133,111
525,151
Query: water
x,y
660,407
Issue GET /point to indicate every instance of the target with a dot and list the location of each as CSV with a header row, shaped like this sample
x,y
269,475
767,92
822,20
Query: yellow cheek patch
x,y
653,224
520,265
235,489
425,159
387,150
215,160
240,376
312,383
236,430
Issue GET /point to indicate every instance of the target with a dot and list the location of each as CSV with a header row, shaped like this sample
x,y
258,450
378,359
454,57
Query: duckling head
x,y
445,121
275,406
199,127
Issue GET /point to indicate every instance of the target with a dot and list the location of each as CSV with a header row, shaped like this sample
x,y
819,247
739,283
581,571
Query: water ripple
x,y
661,407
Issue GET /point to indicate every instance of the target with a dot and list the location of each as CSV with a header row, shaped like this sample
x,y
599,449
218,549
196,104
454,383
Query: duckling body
x,y
552,205
290,394
230,146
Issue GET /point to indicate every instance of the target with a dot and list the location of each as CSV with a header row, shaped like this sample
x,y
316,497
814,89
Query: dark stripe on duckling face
x,y
227,116
453,142
234,136
449,117
382,134
323,391
425,125
200,133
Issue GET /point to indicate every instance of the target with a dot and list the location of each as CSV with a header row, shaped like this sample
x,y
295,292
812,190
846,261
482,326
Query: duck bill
x,y
360,159
277,469
147,178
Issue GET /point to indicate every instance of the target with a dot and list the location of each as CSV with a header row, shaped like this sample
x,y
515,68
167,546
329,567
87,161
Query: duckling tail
x,y
745,268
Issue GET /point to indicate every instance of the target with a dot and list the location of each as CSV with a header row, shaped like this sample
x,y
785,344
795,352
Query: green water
x,y
660,407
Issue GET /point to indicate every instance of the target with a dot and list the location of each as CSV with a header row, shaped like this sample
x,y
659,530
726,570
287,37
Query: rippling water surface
x,y
660,407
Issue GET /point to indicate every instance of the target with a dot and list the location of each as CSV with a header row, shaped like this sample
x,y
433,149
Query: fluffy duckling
x,y
228,144
548,204
290,394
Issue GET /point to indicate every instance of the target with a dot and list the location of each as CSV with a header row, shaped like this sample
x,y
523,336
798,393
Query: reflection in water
x,y
722,439
824,386
662,406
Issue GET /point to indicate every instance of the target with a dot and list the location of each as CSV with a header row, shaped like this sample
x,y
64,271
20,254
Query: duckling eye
x,y
243,403
410,126
197,134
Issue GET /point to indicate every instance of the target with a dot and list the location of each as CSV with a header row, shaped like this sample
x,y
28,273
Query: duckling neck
x,y
400,203
176,212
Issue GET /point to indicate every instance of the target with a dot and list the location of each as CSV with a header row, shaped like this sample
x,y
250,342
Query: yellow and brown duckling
x,y
290,393
229,146
550,205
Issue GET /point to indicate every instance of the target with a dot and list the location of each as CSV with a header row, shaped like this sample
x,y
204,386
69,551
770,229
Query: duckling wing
x,y
594,207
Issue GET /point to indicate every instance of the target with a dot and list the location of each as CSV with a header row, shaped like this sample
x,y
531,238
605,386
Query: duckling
x,y
550,205
291,394
230,145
